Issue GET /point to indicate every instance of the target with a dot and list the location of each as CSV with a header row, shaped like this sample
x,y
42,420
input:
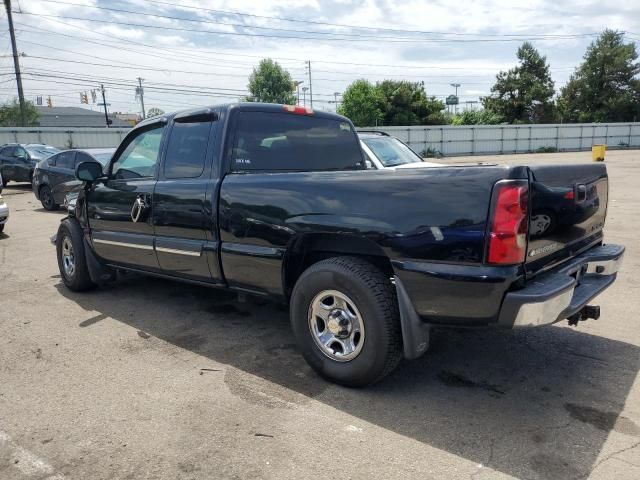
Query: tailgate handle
x,y
581,193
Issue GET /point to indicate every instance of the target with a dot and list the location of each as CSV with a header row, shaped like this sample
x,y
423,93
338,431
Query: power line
x,y
377,37
292,37
358,27
281,60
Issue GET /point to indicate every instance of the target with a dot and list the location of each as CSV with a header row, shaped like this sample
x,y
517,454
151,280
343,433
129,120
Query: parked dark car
x,y
18,160
277,201
55,177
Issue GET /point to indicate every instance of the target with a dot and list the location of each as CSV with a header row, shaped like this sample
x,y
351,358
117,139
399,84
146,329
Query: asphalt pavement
x,y
148,379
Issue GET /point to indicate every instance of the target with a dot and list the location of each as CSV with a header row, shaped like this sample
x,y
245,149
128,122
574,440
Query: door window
x,y
66,160
186,150
140,157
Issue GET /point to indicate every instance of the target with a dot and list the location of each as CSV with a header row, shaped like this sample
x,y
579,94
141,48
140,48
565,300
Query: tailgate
x,y
568,209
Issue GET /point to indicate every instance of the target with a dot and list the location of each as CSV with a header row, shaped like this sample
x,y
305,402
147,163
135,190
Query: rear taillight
x,y
509,223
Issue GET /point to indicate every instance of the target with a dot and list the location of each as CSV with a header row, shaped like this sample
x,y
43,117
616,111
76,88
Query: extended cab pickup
x,y
277,201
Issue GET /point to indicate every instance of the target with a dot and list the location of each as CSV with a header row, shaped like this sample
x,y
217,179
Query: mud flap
x,y
415,333
99,273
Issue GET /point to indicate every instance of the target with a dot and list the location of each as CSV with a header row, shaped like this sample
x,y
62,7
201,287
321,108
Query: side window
x,y
20,152
8,152
140,157
186,150
66,160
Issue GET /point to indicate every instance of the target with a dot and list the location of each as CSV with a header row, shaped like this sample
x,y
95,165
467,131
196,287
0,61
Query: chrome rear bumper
x,y
562,292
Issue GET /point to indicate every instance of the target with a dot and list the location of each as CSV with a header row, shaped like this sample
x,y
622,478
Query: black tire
x,y
1,227
46,198
375,299
79,279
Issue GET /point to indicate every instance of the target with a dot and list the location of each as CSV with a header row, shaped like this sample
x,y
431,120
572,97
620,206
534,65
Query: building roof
x,y
75,117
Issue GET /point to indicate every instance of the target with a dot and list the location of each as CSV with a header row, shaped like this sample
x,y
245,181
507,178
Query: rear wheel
x,y
72,262
46,198
1,227
344,315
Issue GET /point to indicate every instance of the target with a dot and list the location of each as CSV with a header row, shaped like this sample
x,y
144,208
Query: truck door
x,y
184,213
120,209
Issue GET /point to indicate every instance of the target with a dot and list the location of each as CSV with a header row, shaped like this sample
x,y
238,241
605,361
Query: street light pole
x,y
297,85
141,93
455,85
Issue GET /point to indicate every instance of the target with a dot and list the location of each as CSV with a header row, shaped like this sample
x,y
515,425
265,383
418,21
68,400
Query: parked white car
x,y
4,213
386,152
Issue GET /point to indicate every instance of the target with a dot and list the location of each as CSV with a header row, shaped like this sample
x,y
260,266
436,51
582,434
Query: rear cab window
x,y
272,141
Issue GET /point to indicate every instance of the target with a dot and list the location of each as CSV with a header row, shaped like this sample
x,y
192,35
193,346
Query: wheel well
x,y
312,248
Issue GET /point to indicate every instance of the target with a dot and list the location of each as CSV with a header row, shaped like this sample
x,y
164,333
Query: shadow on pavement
x,y
531,404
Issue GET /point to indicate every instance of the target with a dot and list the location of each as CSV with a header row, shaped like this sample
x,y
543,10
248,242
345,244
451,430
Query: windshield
x,y
391,152
41,152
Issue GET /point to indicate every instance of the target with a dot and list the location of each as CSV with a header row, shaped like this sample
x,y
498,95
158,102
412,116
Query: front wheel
x,y
72,262
344,314
46,198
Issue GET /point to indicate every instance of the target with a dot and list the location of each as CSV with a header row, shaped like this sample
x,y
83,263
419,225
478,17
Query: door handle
x,y
139,209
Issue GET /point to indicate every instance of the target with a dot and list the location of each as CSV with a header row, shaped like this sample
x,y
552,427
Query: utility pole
x,y
140,91
310,85
104,102
16,64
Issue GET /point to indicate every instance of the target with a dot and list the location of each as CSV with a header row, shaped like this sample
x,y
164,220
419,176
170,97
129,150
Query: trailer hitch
x,y
587,312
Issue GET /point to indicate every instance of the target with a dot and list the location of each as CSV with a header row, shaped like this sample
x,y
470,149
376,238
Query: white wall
x,y
446,139
64,137
496,139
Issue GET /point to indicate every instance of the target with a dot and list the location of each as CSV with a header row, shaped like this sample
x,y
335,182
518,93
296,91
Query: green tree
x,y
10,114
362,102
407,103
524,93
270,83
604,88
476,117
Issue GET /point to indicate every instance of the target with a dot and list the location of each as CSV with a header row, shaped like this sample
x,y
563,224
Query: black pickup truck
x,y
277,201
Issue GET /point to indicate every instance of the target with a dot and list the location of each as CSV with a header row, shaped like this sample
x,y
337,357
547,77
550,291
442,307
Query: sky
x,y
194,53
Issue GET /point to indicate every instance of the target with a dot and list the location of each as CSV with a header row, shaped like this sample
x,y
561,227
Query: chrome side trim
x,y
191,253
123,244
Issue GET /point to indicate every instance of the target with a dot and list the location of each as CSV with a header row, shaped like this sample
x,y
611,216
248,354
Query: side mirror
x,y
89,171
368,164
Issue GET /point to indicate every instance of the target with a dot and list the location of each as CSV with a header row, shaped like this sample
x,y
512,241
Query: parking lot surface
x,y
148,379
